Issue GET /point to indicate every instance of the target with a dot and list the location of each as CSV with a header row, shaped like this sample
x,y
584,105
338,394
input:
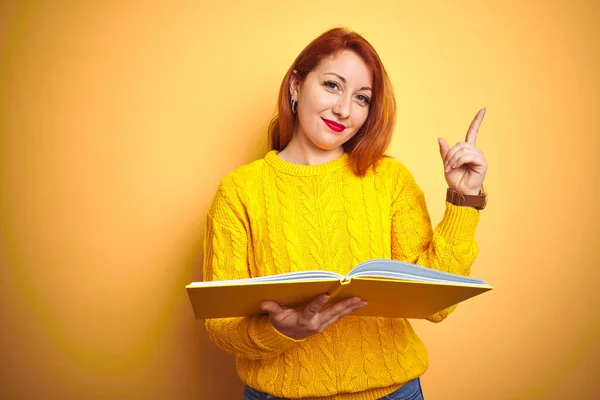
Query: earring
x,y
294,106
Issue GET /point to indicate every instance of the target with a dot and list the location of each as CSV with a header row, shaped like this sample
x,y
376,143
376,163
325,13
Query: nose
x,y
342,108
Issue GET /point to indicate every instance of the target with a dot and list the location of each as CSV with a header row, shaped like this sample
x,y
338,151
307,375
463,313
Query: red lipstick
x,y
334,126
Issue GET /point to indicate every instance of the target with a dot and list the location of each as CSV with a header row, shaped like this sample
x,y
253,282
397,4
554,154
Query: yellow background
x,y
117,121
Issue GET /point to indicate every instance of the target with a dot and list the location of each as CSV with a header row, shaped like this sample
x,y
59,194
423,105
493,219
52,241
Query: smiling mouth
x,y
334,126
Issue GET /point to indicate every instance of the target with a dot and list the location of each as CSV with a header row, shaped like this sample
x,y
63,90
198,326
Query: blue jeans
x,y
411,390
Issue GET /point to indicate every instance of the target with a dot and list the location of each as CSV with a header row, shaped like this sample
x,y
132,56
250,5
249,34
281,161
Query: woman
x,y
326,197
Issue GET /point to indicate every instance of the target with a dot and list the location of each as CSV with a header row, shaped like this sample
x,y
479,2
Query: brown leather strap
x,y
476,201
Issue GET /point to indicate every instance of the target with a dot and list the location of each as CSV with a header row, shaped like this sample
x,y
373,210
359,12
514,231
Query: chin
x,y
329,142
326,145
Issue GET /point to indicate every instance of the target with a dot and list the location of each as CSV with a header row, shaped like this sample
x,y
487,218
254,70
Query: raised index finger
x,y
474,127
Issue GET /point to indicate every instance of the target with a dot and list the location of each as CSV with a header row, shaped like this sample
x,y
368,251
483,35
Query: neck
x,y
303,153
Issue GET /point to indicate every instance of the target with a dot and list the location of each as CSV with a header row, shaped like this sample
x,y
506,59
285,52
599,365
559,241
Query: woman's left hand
x,y
464,164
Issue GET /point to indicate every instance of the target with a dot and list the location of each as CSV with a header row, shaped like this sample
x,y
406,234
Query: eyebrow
x,y
344,80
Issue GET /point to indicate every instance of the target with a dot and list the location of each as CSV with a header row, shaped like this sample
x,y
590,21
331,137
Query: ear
x,y
294,84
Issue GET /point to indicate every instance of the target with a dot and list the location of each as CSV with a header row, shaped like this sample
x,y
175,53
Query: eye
x,y
331,85
364,99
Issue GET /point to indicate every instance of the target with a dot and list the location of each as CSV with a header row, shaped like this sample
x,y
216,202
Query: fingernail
x,y
364,303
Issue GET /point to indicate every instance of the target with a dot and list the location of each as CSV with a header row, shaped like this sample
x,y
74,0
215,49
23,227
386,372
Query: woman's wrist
x,y
471,192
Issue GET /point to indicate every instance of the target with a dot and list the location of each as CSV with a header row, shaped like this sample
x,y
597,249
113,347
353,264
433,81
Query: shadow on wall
x,y
219,377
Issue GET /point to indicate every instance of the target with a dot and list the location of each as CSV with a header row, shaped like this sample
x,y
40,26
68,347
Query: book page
x,y
394,269
287,277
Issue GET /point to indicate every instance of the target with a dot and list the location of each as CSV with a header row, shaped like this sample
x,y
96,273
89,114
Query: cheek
x,y
315,104
360,116
322,101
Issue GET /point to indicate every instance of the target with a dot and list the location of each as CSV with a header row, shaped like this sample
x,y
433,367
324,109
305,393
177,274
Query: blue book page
x,y
394,269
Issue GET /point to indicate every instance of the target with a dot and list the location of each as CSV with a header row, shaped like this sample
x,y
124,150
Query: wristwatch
x,y
467,200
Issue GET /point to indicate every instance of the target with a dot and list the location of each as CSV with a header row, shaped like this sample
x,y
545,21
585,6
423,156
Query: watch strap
x,y
466,200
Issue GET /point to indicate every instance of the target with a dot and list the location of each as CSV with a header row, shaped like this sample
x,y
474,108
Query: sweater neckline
x,y
305,170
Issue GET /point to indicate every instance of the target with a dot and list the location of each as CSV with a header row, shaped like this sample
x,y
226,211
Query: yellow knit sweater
x,y
272,217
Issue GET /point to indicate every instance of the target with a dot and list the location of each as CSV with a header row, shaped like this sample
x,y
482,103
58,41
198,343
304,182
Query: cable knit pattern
x,y
290,237
272,217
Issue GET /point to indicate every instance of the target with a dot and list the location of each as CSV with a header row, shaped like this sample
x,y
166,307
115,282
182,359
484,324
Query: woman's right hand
x,y
300,324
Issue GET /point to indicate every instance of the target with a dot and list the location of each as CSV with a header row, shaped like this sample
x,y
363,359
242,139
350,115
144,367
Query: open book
x,y
392,289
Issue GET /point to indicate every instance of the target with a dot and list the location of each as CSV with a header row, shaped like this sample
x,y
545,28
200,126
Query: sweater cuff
x,y
268,337
459,223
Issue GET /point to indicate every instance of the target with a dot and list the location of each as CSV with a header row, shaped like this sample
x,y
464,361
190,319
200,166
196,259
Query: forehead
x,y
349,65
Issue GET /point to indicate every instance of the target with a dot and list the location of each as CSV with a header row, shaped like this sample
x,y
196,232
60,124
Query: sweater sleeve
x,y
451,247
226,257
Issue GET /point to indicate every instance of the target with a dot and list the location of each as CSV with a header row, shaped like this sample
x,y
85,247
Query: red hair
x,y
368,145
